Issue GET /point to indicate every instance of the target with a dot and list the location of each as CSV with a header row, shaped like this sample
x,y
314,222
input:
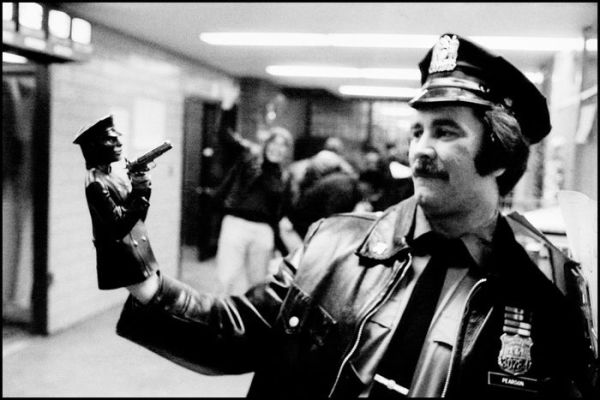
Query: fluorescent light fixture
x,y
31,15
13,58
7,11
379,91
343,72
535,77
591,45
324,71
529,43
395,111
386,41
81,31
264,39
59,24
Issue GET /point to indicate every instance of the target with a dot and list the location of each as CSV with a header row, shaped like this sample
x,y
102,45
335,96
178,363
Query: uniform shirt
x,y
478,244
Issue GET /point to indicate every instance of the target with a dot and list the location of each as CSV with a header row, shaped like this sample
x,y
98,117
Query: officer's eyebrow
x,y
447,122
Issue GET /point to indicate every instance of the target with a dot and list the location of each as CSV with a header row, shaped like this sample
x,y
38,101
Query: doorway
x,y
203,169
25,156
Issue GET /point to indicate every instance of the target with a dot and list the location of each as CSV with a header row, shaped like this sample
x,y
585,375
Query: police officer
x,y
118,209
432,298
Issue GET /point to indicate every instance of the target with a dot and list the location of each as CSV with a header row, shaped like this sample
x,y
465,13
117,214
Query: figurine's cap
x,y
97,128
456,70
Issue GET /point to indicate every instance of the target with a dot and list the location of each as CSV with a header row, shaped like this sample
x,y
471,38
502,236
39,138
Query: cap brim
x,y
448,95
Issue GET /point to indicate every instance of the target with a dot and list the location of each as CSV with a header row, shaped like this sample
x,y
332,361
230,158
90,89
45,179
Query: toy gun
x,y
141,163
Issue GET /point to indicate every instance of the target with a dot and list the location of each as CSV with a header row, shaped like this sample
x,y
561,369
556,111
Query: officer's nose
x,y
422,147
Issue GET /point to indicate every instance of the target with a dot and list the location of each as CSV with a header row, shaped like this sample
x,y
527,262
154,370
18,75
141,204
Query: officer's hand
x,y
140,180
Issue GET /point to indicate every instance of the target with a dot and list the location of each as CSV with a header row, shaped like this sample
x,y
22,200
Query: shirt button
x,y
144,238
135,243
294,321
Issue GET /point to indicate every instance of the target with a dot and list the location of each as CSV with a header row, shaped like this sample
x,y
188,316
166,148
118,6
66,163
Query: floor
x,y
90,360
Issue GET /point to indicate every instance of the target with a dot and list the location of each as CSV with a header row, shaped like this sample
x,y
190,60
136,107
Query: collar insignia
x,y
444,54
379,248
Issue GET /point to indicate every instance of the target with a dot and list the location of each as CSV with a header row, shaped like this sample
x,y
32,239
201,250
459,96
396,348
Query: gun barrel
x,y
150,156
154,153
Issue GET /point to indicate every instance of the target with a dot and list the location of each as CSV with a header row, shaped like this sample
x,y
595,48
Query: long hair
x,y
503,146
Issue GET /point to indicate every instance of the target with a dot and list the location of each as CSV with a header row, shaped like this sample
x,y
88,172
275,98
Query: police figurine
x,y
118,209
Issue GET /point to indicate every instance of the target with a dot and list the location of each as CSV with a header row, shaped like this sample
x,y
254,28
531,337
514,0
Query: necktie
x,y
401,357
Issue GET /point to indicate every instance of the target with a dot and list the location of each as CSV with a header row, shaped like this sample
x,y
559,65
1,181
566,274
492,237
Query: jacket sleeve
x,y
205,333
119,219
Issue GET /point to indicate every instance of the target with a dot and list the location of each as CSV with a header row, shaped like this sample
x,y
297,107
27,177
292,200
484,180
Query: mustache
x,y
425,168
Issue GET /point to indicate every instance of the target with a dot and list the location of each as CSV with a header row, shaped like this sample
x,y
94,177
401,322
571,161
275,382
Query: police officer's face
x,y
276,150
445,140
109,147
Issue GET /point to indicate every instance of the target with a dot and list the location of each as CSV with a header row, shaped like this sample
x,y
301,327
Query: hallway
x,y
90,360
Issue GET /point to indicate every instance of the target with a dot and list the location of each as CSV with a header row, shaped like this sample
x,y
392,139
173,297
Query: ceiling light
x,y
31,15
535,77
388,41
13,58
314,71
343,72
379,91
264,39
81,31
529,43
59,24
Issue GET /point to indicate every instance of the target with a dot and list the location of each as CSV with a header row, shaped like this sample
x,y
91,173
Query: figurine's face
x,y
109,147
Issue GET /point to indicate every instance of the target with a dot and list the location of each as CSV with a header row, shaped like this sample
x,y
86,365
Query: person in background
x,y
254,195
383,181
433,297
118,209
335,145
329,186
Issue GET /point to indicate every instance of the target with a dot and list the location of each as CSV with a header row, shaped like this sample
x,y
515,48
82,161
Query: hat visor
x,y
447,94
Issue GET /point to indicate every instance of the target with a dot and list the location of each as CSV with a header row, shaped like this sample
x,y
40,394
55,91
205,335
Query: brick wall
x,y
144,87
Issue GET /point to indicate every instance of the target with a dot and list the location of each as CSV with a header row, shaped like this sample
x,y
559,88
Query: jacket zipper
x,y
453,355
378,302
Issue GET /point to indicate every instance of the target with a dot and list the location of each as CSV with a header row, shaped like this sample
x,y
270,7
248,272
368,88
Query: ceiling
x,y
176,27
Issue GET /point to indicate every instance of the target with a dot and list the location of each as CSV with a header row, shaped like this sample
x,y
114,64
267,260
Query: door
x,y
25,95
201,218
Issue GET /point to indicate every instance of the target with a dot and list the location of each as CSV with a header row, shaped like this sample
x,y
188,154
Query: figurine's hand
x,y
140,180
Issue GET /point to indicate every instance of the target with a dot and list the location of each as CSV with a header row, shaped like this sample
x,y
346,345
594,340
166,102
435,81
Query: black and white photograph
x,y
300,200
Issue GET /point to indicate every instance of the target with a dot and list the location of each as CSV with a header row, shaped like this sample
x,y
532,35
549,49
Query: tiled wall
x,y
144,87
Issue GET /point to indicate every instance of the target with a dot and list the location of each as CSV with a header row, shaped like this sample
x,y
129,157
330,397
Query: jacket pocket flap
x,y
301,314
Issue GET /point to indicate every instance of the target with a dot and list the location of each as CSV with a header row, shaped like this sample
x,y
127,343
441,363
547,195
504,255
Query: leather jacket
x,y
315,328
123,252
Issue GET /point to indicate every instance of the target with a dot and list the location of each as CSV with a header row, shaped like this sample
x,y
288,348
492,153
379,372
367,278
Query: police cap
x,y
96,129
456,70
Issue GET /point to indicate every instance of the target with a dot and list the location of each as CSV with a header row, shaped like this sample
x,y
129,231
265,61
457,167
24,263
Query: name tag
x,y
513,382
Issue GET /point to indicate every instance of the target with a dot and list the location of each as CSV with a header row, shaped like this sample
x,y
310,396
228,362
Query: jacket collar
x,y
387,236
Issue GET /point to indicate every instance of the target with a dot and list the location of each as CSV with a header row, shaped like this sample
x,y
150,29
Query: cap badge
x,y
444,54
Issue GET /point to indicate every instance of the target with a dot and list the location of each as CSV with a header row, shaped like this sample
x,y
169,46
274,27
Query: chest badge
x,y
515,353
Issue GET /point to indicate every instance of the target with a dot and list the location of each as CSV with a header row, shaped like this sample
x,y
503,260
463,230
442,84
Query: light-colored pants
x,y
244,251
